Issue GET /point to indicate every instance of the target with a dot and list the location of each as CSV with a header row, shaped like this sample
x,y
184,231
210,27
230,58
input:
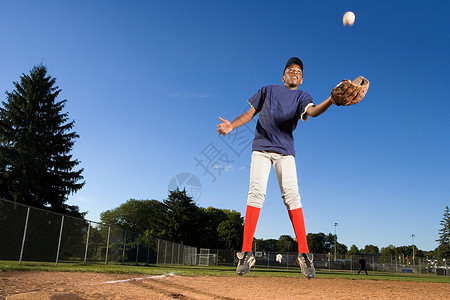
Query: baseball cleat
x,y
246,260
305,261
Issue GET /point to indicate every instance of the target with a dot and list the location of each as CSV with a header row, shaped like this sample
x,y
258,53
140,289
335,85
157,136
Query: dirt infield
x,y
77,286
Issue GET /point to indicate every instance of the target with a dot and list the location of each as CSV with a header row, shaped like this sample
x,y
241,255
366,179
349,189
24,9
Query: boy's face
x,y
293,76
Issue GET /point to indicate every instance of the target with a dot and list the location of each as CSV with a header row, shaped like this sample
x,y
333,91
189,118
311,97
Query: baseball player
x,y
280,107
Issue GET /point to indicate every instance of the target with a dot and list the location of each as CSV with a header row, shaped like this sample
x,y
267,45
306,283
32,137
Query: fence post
x,y
391,262
157,253
87,241
165,254
329,260
24,235
396,266
148,249
137,250
59,241
351,263
287,260
124,246
194,252
373,261
107,245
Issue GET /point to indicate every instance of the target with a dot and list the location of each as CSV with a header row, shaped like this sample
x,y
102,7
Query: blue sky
x,y
147,80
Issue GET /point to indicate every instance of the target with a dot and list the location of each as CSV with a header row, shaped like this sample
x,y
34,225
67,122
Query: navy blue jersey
x,y
279,110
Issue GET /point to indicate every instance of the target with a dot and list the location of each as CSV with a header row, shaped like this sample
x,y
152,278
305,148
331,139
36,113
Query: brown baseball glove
x,y
350,92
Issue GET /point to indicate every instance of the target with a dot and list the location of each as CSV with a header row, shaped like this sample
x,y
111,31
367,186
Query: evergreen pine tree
x,y
443,250
36,167
444,232
182,218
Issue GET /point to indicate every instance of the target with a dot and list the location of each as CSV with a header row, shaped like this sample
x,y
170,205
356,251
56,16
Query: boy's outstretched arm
x,y
226,126
317,110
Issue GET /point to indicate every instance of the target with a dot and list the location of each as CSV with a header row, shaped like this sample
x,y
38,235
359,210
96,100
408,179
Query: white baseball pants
x,y
286,171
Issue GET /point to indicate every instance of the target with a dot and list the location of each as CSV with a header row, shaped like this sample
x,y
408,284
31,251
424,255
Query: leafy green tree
x,y
330,240
287,244
428,254
220,229
141,216
442,251
320,243
269,245
353,250
230,231
36,138
316,242
404,251
389,251
418,252
341,249
371,249
210,218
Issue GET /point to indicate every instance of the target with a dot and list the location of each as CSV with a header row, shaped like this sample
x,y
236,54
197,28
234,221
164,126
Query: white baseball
x,y
349,18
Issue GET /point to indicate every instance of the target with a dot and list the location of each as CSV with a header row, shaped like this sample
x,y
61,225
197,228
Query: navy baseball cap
x,y
294,60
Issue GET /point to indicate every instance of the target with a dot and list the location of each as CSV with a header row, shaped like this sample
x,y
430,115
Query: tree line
x,y
179,219
37,169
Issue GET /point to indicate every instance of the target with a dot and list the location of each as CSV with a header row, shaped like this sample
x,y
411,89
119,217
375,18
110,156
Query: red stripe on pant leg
x,y
251,219
298,222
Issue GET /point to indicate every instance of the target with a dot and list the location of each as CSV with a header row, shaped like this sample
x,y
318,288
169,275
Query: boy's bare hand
x,y
224,127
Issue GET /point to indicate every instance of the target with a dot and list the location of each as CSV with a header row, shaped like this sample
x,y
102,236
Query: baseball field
x,y
73,281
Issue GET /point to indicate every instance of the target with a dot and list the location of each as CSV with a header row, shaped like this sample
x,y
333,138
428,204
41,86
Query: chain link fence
x,y
31,234
374,262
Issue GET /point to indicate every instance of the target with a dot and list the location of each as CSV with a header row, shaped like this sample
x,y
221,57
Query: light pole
x,y
413,236
335,240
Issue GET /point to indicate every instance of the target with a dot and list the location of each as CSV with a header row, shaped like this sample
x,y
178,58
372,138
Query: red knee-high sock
x,y
251,219
298,222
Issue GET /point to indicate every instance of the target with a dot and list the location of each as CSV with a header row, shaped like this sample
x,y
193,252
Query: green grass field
x,y
211,271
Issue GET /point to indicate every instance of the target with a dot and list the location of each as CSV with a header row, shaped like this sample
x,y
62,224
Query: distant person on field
x,y
362,265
